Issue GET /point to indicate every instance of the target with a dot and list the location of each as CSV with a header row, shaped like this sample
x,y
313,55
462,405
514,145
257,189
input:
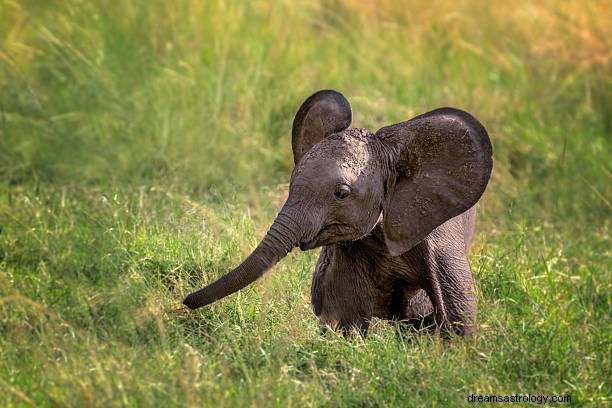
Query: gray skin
x,y
394,212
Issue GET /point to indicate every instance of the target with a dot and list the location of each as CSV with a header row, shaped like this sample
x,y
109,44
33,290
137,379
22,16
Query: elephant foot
x,y
348,329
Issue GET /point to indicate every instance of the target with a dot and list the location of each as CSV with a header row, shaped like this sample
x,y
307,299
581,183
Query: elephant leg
x,y
341,296
451,289
412,309
407,304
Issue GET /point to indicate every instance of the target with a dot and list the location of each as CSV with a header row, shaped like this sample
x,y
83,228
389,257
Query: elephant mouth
x,y
331,234
308,245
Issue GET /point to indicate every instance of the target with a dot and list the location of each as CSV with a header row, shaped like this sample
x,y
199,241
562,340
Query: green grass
x,y
144,150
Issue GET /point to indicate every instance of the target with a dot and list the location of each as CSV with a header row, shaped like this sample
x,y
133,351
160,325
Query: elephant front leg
x,y
341,297
451,288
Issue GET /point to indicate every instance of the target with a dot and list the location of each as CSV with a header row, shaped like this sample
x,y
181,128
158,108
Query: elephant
x,y
394,212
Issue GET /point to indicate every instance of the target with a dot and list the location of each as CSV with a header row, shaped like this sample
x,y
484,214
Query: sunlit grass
x,y
144,150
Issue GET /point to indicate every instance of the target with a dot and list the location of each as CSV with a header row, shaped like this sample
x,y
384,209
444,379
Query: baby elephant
x,y
393,210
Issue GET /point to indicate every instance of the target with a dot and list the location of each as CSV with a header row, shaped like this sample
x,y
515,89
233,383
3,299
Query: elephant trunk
x,y
278,242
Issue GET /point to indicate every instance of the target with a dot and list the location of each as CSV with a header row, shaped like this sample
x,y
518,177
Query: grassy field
x,y
145,149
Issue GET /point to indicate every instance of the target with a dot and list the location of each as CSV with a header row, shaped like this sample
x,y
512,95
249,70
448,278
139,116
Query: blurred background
x,y
200,96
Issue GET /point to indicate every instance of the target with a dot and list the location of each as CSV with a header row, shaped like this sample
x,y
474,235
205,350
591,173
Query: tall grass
x,y
144,149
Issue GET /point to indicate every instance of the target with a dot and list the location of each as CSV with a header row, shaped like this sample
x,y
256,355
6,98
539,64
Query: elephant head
x,y
411,177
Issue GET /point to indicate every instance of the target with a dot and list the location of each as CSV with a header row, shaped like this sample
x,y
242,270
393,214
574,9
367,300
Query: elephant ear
x,y
322,114
441,163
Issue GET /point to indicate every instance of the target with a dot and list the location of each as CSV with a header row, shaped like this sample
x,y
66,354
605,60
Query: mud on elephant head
x,y
393,210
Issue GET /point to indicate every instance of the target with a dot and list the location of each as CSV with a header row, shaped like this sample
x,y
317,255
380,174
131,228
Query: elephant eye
x,y
342,192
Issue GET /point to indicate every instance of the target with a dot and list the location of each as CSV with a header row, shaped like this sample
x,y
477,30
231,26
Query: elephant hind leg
x,y
413,310
409,304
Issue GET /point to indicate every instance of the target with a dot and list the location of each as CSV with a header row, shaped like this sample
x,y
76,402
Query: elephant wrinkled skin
x,y
393,210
